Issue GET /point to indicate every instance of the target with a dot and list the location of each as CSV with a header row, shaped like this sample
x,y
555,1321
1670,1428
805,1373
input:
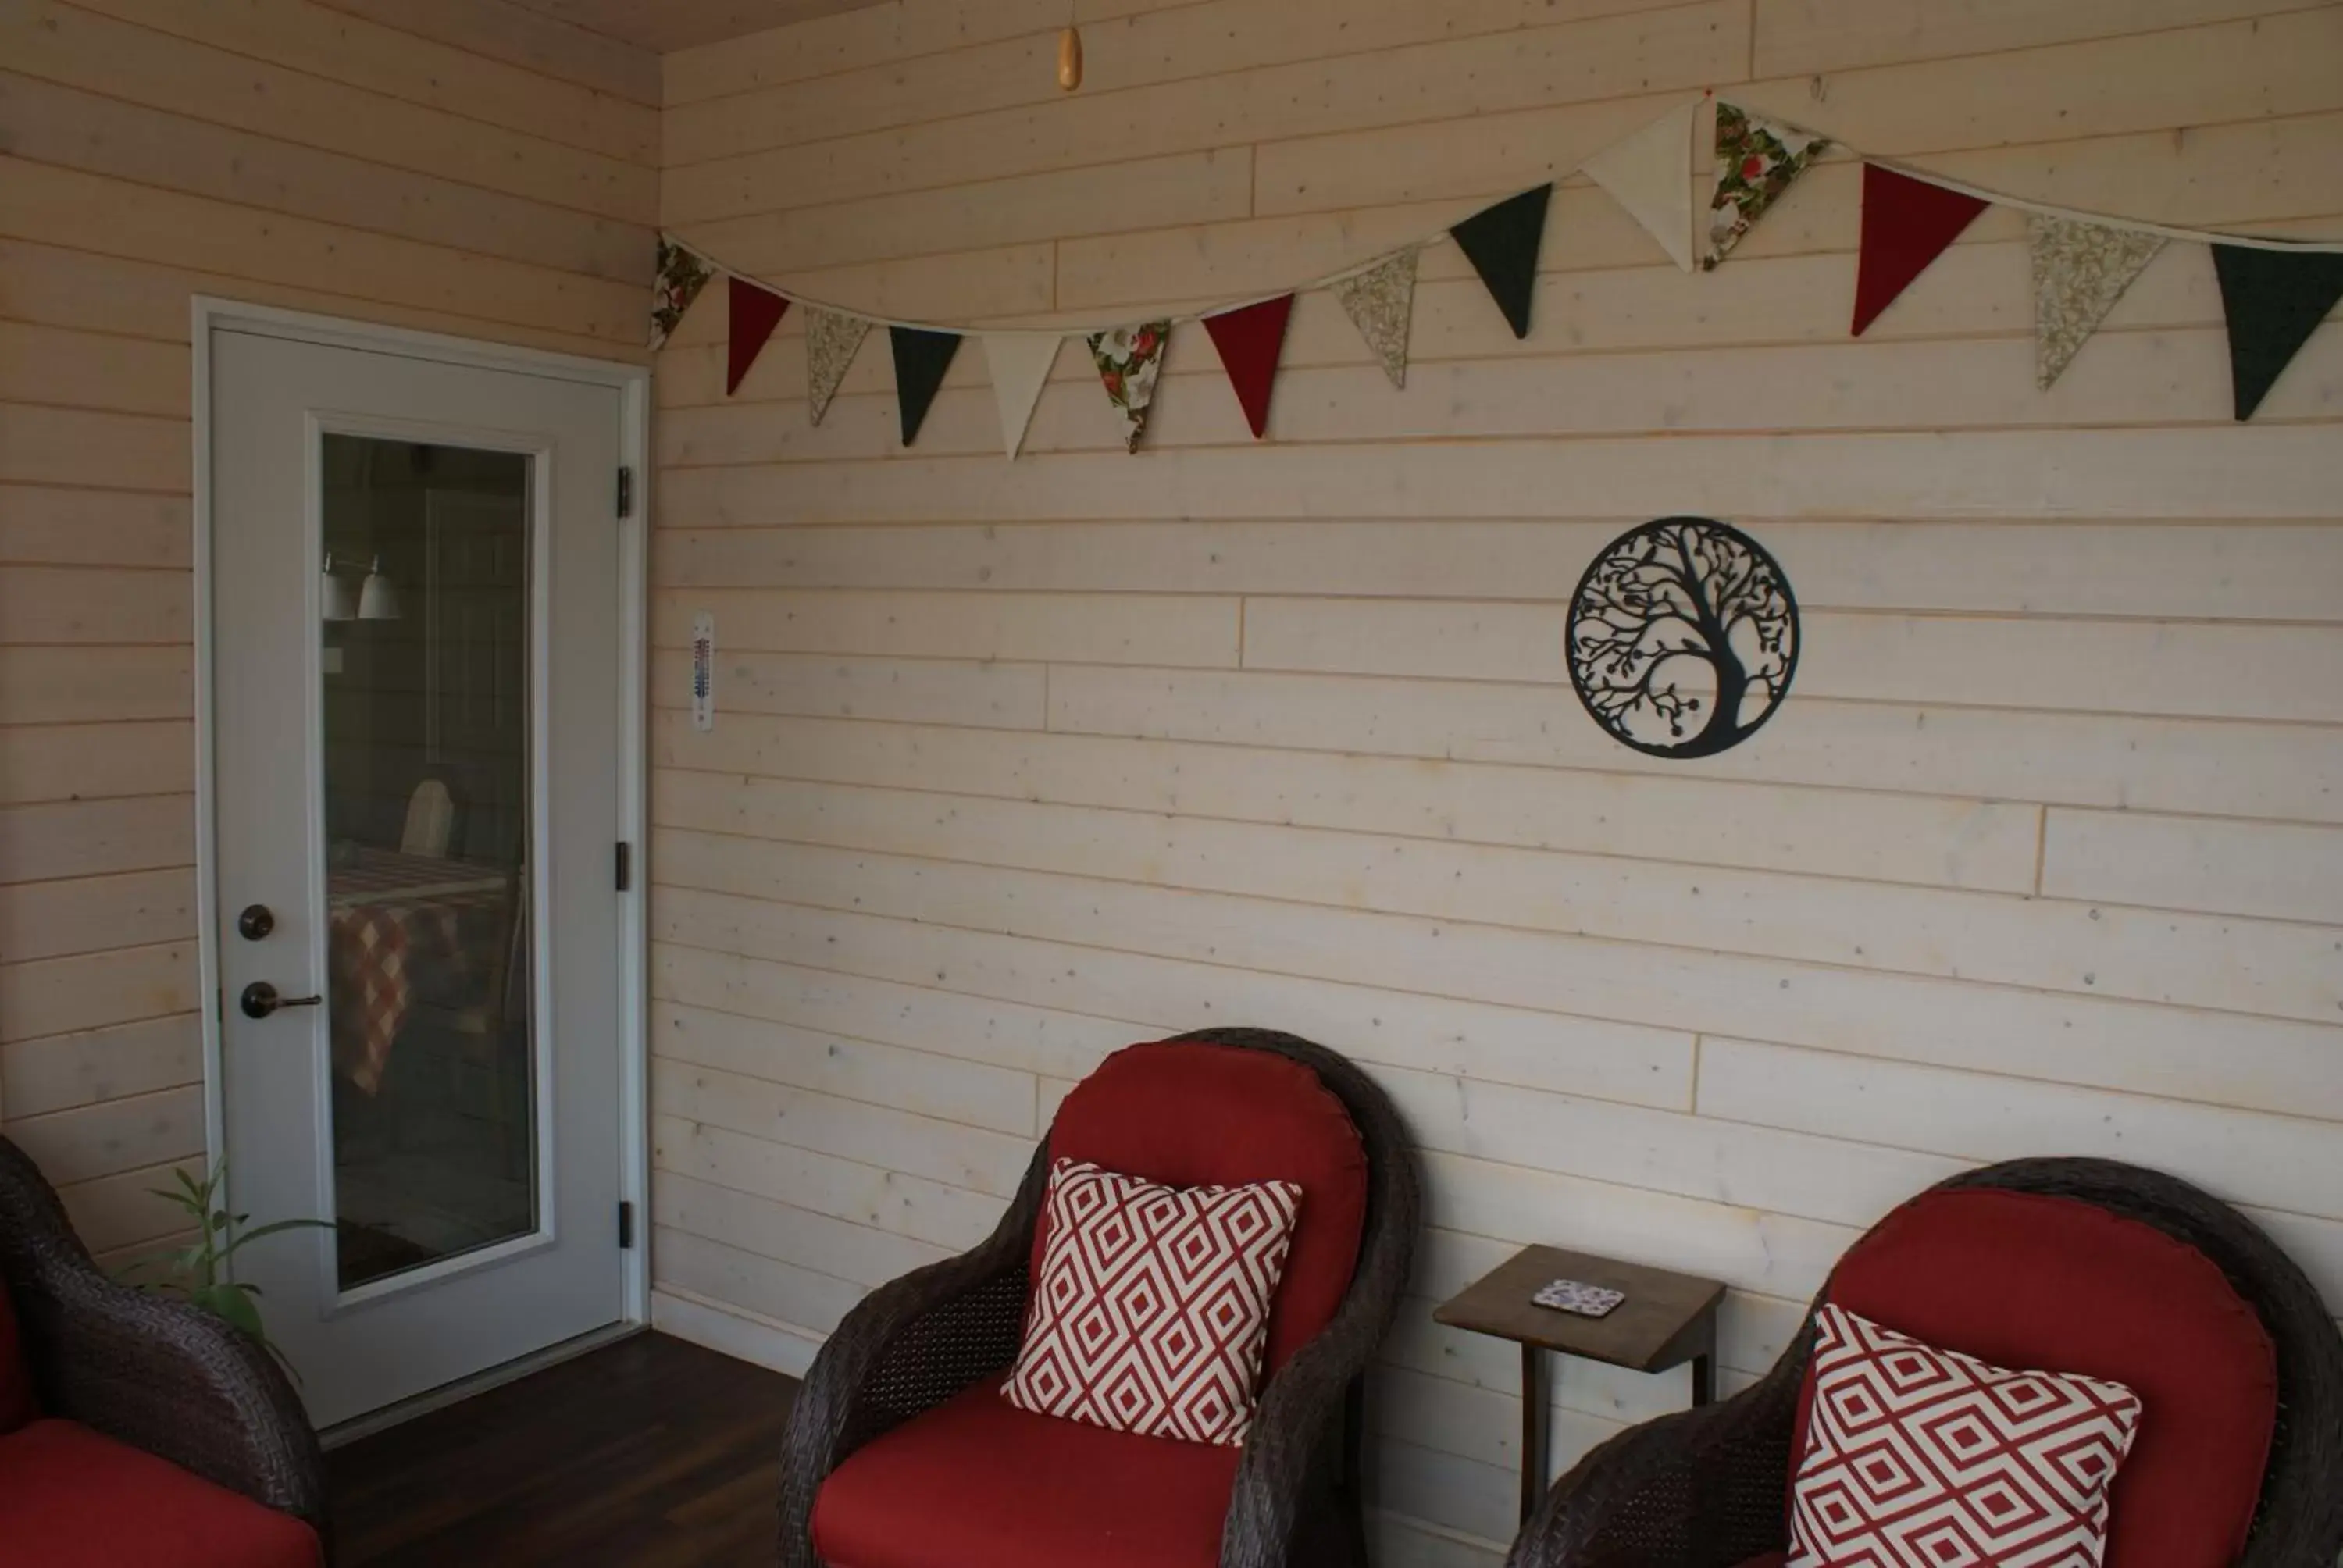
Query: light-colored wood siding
x,y
488,175
1015,763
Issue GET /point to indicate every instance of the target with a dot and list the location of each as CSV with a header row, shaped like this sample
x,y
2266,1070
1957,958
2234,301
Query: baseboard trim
x,y
734,1331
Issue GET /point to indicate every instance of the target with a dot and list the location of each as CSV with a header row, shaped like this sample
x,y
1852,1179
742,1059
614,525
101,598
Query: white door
x,y
417,634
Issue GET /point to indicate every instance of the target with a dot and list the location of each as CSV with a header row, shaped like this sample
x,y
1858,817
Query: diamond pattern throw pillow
x,y
1153,1302
1922,1458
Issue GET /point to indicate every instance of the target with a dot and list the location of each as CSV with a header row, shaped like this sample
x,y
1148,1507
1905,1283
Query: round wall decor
x,y
1683,637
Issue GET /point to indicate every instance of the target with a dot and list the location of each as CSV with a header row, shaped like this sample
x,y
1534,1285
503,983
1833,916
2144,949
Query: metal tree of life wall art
x,y
1683,637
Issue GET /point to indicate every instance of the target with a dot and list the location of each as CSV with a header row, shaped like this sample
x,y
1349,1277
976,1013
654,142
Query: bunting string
x,y
2272,287
1327,281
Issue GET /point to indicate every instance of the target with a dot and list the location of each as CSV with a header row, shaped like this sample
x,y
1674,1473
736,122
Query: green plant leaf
x,y
230,1303
178,1201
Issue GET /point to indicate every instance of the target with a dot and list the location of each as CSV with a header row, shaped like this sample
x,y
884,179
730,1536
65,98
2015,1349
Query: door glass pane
x,y
425,643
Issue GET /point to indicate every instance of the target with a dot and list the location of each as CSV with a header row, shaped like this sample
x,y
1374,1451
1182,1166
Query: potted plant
x,y
198,1272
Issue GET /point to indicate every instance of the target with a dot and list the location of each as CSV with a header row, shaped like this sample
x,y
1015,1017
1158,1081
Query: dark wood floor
x,y
650,1452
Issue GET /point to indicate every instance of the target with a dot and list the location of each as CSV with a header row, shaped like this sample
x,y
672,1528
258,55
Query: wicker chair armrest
x,y
157,1374
907,1347
1705,1488
166,1376
1291,1437
1296,1448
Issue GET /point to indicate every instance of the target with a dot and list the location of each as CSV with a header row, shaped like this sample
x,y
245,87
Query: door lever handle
x,y
260,999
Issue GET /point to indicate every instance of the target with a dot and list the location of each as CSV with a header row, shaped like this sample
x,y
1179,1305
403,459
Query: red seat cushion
x,y
2025,1279
979,1483
17,1404
71,1499
1188,1115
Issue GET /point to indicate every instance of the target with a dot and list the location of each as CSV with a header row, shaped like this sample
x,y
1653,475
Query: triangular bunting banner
x,y
1250,341
2274,301
1129,359
1756,159
1379,302
1019,364
831,338
2080,270
1649,174
1907,224
754,313
681,277
920,360
1501,243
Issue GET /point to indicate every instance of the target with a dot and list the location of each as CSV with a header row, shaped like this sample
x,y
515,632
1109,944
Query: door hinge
x,y
623,865
626,1226
626,492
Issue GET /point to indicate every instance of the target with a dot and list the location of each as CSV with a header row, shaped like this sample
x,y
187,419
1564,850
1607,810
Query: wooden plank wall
x,y
484,172
1015,763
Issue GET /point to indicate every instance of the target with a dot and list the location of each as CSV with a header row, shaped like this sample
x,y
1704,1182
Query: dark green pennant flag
x,y
2275,300
920,360
1501,242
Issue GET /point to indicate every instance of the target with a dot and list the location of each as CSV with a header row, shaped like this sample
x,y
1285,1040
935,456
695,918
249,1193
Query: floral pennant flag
x,y
831,338
2274,301
1020,363
1649,174
1129,359
1501,243
2080,270
1379,302
681,277
1756,159
1249,339
1906,225
754,313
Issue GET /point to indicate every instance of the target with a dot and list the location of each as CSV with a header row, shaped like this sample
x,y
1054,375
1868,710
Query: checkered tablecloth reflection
x,y
404,928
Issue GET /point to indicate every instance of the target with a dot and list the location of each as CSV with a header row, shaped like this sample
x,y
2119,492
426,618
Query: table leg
x,y
1703,1366
1533,1403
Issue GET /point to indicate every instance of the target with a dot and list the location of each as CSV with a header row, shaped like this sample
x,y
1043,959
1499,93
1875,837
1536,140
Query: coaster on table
x,y
1578,1296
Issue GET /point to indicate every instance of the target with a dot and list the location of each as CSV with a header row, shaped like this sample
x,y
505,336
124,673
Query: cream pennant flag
x,y
1020,363
1379,303
831,338
1650,174
2080,270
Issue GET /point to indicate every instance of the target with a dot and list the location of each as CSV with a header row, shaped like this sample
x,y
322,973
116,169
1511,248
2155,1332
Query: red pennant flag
x,y
1250,341
754,313
1907,224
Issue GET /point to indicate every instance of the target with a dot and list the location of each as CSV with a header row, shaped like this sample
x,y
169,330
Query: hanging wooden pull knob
x,y
1069,59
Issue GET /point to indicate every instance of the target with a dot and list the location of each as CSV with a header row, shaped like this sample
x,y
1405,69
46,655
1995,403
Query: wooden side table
x,y
1665,1321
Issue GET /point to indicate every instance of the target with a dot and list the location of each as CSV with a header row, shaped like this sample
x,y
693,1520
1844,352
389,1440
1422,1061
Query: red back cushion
x,y
1188,1115
16,1406
2023,1280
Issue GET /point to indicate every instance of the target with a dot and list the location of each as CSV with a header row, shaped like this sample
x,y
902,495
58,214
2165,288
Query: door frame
x,y
210,314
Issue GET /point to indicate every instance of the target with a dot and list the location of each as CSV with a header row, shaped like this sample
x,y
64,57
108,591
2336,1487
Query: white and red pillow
x,y
1152,1303
1917,1457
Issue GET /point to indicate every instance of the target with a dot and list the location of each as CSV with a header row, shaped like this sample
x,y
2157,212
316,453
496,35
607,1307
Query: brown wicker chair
x,y
1708,1488
921,1340
148,1370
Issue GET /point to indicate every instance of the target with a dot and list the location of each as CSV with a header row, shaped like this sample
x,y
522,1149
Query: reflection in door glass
x,y
426,639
